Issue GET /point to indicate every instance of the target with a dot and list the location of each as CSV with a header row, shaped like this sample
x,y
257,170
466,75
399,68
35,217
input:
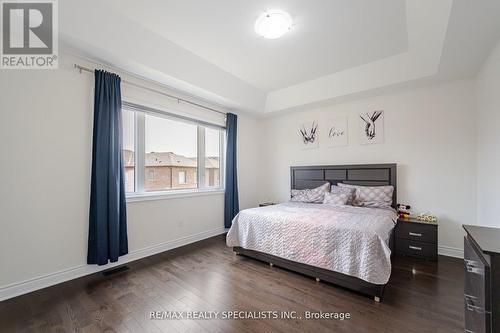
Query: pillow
x,y
351,193
372,196
337,199
315,195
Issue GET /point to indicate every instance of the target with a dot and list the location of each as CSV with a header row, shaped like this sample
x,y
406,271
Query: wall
x,y
488,140
430,133
45,140
249,151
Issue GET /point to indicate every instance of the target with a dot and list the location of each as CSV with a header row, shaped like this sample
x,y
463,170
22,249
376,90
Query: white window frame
x,y
140,194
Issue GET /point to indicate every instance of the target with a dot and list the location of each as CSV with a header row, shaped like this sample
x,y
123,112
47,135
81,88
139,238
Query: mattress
x,y
345,239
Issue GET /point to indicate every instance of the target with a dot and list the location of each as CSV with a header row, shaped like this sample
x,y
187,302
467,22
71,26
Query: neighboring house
x,y
166,170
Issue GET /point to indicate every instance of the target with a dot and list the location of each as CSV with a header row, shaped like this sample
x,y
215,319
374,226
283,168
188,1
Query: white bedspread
x,y
346,239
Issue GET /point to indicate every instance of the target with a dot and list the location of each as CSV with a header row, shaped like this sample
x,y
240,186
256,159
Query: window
x,y
182,177
212,157
169,146
163,152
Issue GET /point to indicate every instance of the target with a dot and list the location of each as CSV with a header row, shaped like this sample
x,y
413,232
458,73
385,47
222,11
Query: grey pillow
x,y
337,199
351,192
372,196
315,195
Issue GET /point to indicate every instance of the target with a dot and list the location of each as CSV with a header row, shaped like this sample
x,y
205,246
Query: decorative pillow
x,y
338,199
372,196
351,193
315,195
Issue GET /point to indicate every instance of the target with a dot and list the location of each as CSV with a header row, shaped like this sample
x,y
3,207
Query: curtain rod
x,y
82,68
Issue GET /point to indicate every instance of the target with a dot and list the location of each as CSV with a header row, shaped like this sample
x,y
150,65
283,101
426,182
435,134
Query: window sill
x,y
175,194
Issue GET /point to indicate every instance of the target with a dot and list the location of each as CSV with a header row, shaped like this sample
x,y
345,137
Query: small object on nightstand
x,y
264,204
427,217
417,238
403,210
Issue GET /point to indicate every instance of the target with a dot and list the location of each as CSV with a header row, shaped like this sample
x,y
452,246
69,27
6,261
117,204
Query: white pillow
x,y
372,196
315,195
337,199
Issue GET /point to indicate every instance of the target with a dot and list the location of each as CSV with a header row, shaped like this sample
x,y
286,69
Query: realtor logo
x,y
29,34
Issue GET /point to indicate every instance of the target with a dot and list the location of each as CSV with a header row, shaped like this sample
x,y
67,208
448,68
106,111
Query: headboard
x,y
303,177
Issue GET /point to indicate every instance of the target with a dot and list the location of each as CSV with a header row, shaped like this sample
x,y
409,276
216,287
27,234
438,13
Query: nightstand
x,y
264,204
416,238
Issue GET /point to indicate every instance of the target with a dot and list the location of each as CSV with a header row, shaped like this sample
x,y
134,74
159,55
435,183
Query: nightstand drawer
x,y
417,249
417,231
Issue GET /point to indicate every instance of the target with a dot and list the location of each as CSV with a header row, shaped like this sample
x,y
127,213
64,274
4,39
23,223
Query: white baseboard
x,y
48,280
451,251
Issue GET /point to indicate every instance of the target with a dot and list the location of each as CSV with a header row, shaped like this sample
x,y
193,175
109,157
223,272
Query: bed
x,y
345,245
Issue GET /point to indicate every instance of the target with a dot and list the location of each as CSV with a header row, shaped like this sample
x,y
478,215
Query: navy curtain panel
x,y
231,202
108,215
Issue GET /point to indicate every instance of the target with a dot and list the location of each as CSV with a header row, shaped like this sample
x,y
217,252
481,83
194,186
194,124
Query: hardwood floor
x,y
208,276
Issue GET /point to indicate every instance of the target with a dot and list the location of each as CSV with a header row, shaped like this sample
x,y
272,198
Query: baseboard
x,y
48,280
451,252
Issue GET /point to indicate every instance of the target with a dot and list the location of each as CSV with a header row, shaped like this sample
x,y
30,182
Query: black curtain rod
x,y
82,68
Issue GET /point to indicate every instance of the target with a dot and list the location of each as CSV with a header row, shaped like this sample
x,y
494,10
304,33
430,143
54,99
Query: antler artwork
x,y
309,136
370,123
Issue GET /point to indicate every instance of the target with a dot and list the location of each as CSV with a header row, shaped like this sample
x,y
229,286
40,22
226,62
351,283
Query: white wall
x,y
429,133
45,140
488,140
249,153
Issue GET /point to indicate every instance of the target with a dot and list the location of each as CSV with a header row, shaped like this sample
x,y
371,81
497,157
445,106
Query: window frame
x,y
140,193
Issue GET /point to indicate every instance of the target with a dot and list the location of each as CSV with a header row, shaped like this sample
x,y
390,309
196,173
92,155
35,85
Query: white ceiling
x,y
327,36
336,48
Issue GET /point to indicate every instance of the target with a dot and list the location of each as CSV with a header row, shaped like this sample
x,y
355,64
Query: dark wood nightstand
x,y
264,204
417,238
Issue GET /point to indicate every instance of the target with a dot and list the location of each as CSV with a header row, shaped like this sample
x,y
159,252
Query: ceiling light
x,y
273,24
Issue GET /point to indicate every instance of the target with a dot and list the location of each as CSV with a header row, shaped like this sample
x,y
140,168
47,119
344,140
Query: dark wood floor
x,y
207,276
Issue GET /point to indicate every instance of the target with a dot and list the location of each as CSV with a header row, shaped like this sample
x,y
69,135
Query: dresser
x,y
482,279
416,238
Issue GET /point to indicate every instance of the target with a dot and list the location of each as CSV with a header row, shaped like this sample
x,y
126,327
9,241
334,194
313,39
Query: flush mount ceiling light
x,y
273,24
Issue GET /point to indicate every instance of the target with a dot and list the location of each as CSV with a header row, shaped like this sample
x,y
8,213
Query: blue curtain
x,y
108,216
231,203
